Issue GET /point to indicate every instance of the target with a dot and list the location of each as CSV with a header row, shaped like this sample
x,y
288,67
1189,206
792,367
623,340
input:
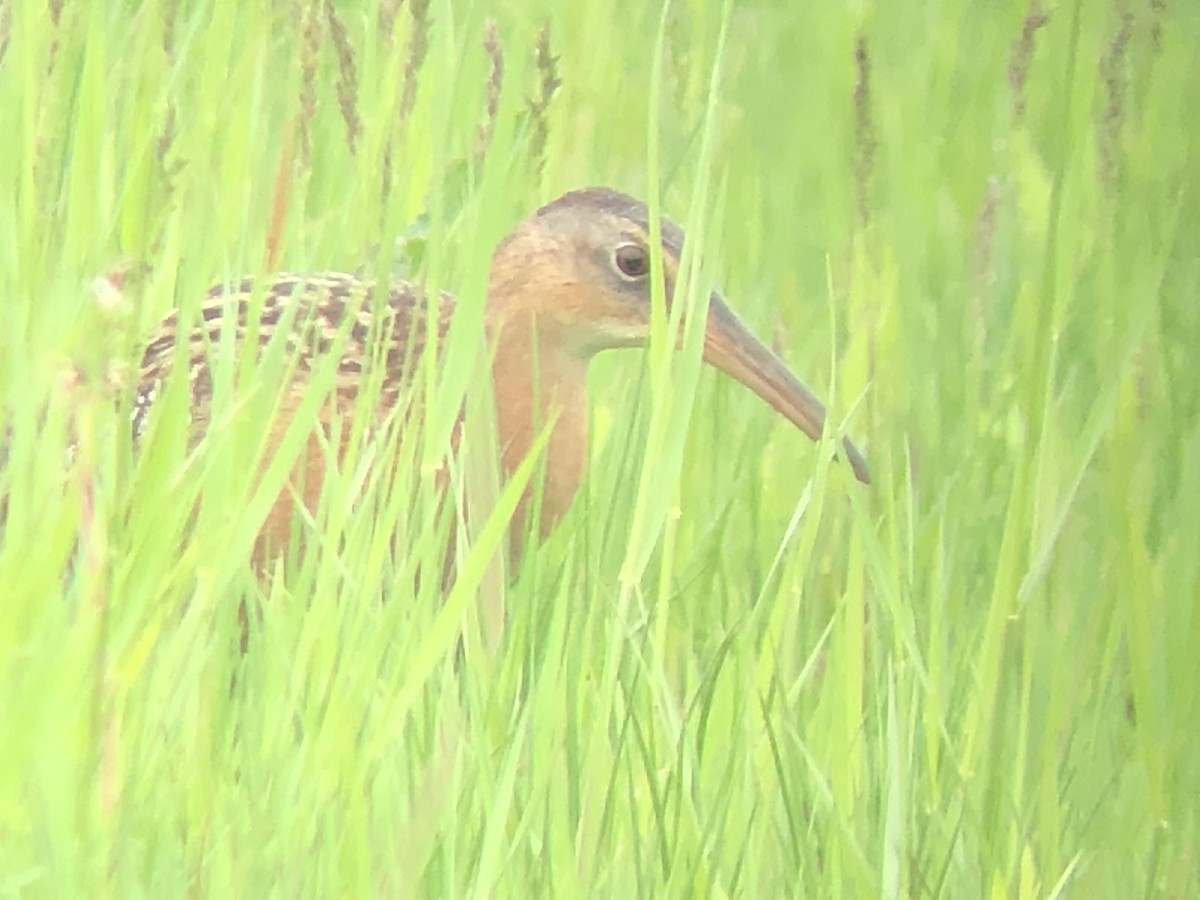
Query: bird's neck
x,y
540,382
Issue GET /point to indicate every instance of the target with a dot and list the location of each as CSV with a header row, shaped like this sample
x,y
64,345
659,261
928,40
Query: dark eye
x,y
632,260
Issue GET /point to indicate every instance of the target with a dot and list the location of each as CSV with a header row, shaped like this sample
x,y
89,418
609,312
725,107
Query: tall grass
x,y
732,670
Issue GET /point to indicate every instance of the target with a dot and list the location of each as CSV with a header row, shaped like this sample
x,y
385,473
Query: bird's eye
x,y
632,260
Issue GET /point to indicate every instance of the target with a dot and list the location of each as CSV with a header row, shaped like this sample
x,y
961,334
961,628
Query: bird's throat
x,y
539,385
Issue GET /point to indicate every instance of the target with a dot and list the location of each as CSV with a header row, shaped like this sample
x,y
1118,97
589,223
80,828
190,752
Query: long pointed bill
x,y
730,347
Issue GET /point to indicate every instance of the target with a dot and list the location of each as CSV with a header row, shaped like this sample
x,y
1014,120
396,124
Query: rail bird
x,y
569,281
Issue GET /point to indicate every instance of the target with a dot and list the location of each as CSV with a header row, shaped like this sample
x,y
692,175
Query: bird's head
x,y
581,266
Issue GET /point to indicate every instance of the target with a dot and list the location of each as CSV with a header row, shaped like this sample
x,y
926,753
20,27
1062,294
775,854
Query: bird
x,y
570,281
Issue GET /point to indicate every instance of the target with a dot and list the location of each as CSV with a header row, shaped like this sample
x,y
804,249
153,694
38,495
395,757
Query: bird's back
x,y
372,340
316,316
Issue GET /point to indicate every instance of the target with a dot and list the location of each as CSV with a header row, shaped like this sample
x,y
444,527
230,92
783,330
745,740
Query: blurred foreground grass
x,y
976,231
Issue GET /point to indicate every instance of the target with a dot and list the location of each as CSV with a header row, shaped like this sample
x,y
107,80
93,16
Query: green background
x,y
732,671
